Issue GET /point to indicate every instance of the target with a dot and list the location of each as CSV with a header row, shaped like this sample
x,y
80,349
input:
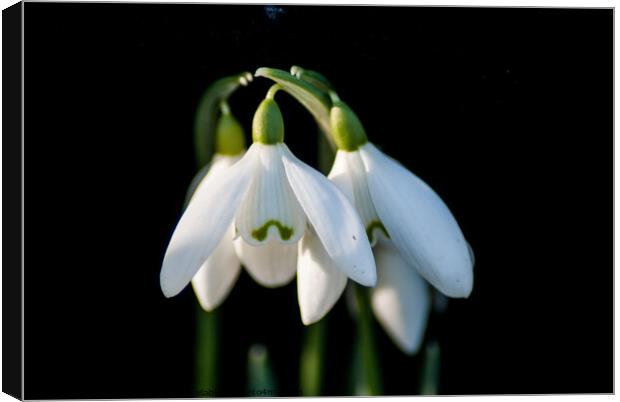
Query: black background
x,y
506,113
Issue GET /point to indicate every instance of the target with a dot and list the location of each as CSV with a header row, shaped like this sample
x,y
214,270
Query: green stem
x,y
315,101
429,381
207,334
208,110
273,90
312,359
327,154
370,359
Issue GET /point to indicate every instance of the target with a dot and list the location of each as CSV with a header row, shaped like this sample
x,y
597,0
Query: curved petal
x,y
319,282
339,175
272,264
401,300
419,223
204,222
217,275
270,211
349,175
218,164
334,219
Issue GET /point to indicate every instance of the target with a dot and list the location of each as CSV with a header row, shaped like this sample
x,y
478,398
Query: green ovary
x,y
261,233
375,225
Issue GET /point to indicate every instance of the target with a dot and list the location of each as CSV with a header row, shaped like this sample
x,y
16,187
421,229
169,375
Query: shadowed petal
x,y
401,299
218,274
272,264
319,282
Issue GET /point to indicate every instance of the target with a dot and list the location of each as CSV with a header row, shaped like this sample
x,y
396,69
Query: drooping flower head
x,y
219,272
275,207
394,202
412,230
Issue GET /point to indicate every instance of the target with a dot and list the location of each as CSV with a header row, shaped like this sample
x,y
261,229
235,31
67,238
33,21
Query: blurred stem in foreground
x,y
261,381
358,384
207,333
326,152
313,359
371,371
429,381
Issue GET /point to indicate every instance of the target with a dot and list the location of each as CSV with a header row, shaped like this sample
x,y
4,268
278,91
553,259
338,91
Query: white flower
x,y
394,202
412,230
401,299
407,224
272,200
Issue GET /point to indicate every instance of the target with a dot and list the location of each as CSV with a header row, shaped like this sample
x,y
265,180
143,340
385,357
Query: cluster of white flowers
x,y
371,220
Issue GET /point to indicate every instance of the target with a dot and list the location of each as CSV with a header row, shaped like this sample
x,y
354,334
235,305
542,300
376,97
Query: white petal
x,y
349,175
218,274
401,300
200,229
336,223
218,164
419,223
272,264
270,211
319,282
339,175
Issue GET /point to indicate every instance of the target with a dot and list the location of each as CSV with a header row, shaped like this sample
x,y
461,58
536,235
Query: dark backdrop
x,y
506,113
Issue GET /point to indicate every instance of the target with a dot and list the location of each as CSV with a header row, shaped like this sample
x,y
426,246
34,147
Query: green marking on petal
x,y
261,233
376,225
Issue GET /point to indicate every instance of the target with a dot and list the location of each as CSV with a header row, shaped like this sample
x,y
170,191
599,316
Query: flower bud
x,y
347,130
229,137
268,126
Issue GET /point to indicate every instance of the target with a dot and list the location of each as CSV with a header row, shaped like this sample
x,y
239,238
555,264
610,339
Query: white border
x,y
563,4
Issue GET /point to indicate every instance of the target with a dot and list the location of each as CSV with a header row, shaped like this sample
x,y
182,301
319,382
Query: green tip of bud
x,y
229,137
348,132
268,126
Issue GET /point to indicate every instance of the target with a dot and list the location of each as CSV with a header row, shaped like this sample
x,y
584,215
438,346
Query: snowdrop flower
x,y
219,272
396,204
278,207
401,300
413,233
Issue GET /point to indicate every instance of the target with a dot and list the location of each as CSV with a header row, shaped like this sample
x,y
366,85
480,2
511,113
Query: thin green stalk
x,y
326,153
207,334
365,330
208,110
312,360
429,381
